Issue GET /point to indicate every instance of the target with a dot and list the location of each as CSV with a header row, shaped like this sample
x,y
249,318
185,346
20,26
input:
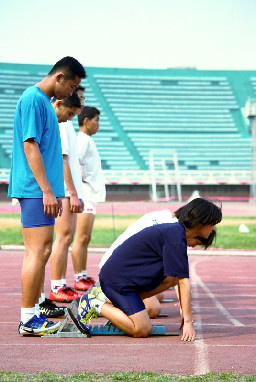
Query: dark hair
x,y
70,67
88,112
80,87
71,101
199,211
207,242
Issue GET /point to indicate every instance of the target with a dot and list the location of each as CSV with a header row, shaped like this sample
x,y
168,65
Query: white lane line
x,y
201,356
233,308
202,324
237,285
218,305
225,294
153,345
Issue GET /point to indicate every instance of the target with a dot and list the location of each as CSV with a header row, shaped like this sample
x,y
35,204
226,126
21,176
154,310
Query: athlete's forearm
x,y
164,285
185,299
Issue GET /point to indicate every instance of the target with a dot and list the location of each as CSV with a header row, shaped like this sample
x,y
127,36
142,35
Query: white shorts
x,y
89,208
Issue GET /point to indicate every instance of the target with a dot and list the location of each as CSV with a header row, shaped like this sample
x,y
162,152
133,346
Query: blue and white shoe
x,y
38,326
85,311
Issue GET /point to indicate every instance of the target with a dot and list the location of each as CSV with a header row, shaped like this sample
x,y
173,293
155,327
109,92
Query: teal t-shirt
x,y
35,118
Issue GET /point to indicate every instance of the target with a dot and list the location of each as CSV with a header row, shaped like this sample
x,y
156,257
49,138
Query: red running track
x,y
224,292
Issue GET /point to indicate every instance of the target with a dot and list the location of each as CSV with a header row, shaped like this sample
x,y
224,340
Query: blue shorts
x,y
129,304
32,213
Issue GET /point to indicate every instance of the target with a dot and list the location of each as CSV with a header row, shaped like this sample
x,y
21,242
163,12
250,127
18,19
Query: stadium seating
x,y
196,114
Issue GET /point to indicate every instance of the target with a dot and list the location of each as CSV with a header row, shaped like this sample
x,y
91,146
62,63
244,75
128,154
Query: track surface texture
x,y
224,311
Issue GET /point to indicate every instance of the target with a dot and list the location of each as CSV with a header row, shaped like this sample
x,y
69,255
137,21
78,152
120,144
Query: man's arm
x,y
75,205
185,302
168,282
52,205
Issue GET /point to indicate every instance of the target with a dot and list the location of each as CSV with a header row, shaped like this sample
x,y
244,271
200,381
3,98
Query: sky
x,y
203,34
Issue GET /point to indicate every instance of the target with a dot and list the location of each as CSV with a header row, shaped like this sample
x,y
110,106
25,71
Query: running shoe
x,y
73,292
73,311
97,293
82,284
91,280
64,295
85,311
38,326
50,310
50,303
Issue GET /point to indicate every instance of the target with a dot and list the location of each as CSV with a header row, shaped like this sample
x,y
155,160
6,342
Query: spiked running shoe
x,y
83,284
85,311
50,310
38,326
90,280
72,310
72,292
64,295
50,303
97,293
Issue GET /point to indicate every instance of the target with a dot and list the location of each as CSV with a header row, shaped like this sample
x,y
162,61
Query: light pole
x,y
250,110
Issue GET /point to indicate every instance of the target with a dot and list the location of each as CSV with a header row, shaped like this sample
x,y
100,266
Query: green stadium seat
x,y
199,114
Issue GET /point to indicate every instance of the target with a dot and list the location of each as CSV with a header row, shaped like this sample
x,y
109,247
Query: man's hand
x,y
51,204
189,333
59,200
74,204
81,206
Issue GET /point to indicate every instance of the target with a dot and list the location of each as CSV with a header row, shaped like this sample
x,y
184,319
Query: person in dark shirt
x,y
150,262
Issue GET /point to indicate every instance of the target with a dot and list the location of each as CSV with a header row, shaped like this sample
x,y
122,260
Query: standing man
x,y
65,225
94,191
37,180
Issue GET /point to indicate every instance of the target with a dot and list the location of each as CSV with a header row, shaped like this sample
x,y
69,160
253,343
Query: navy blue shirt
x,y
143,261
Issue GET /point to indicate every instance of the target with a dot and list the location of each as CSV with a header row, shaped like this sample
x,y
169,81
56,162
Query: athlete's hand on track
x,y
189,333
51,204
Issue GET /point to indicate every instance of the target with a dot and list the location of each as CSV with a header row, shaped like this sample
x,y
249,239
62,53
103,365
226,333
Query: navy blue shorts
x,y
32,213
129,304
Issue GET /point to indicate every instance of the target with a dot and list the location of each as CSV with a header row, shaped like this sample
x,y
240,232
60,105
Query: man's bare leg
x,y
38,246
65,226
136,325
152,306
83,237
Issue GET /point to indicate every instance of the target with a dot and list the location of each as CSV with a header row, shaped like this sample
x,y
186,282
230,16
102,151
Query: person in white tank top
x,y
94,192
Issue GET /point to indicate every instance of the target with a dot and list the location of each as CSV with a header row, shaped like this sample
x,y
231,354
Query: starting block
x,y
71,329
167,300
110,329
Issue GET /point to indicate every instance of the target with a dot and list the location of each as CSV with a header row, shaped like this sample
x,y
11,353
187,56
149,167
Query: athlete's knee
x,y
153,311
66,238
84,239
143,331
38,255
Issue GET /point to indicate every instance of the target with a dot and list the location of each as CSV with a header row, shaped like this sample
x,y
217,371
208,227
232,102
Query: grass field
x,y
124,377
106,230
